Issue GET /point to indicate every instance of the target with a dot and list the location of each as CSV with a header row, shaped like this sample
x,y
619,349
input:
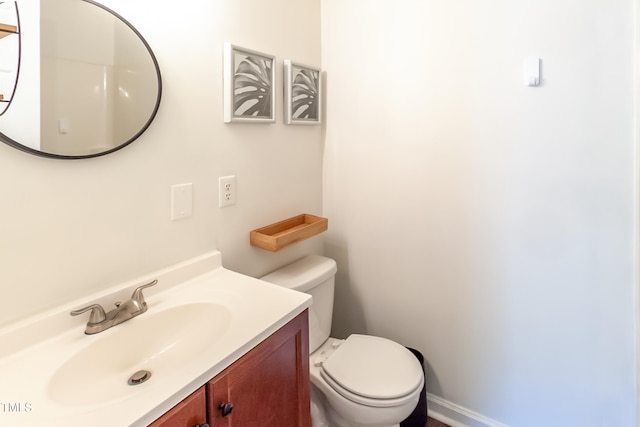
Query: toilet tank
x,y
314,275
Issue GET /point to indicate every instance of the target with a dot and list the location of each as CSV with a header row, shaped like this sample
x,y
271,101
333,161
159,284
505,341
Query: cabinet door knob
x,y
202,425
226,408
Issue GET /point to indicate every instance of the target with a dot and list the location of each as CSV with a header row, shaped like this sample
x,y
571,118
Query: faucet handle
x,y
97,313
137,294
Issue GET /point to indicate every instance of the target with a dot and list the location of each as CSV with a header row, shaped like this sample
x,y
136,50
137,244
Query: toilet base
x,y
318,411
321,416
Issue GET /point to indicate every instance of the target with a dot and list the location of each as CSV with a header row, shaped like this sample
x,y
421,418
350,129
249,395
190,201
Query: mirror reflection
x,y
89,83
9,52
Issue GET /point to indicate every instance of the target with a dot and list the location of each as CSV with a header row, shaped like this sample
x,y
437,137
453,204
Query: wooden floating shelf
x,y
284,233
6,29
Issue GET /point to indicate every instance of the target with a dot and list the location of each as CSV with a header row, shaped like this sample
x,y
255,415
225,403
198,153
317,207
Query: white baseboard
x,y
456,415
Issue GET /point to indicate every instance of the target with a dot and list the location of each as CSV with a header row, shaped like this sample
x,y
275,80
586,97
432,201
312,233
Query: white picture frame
x,y
249,85
302,94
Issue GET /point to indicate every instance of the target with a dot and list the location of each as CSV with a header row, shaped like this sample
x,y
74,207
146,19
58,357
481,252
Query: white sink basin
x,y
156,342
201,318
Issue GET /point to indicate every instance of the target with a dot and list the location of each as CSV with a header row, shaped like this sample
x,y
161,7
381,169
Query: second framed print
x,y
249,85
302,94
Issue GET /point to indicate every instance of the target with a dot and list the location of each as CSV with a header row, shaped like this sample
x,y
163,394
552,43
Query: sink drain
x,y
139,377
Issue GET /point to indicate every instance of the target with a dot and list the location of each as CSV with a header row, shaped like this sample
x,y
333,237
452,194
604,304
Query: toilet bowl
x,y
361,381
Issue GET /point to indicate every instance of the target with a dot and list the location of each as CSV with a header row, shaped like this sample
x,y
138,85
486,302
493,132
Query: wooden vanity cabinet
x,y
191,412
267,387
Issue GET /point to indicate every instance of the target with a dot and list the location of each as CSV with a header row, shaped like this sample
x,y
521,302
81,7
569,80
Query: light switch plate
x,y
181,201
531,67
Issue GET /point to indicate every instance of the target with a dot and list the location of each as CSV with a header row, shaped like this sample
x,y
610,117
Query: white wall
x,y
489,225
70,228
77,81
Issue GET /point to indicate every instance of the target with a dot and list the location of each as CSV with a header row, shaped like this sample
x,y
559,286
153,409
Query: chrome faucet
x,y
100,321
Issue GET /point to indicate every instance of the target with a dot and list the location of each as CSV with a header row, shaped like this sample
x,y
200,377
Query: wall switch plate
x,y
227,191
531,68
63,126
181,201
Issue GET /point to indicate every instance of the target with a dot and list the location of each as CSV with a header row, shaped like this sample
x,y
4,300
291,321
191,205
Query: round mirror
x,y
89,83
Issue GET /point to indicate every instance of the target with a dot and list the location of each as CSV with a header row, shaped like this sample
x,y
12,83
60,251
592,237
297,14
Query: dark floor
x,y
434,423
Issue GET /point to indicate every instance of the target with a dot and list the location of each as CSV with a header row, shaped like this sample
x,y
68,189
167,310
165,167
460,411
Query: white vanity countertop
x,y
47,370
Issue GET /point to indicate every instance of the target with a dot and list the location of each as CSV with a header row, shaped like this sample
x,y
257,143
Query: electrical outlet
x,y
227,190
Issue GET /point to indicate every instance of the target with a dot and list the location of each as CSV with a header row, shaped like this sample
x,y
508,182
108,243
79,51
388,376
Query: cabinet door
x,y
269,386
190,412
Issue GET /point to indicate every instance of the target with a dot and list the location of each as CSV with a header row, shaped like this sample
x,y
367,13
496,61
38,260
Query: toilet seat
x,y
373,371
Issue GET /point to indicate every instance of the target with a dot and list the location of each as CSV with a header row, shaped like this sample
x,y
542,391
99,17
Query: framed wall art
x,y
249,85
302,94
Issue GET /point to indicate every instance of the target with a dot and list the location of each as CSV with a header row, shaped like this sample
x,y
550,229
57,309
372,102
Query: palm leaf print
x,y
304,102
252,87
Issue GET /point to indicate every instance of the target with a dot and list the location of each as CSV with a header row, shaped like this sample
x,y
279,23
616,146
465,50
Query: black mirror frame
x,y
30,150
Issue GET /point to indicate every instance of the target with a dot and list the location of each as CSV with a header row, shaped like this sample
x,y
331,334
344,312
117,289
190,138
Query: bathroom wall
x,y
488,224
70,228
128,78
76,75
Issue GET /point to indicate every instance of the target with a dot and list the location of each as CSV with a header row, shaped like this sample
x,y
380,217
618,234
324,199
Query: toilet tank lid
x,y
303,274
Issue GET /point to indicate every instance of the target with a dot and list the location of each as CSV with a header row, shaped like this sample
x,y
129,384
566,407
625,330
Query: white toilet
x,y
360,381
